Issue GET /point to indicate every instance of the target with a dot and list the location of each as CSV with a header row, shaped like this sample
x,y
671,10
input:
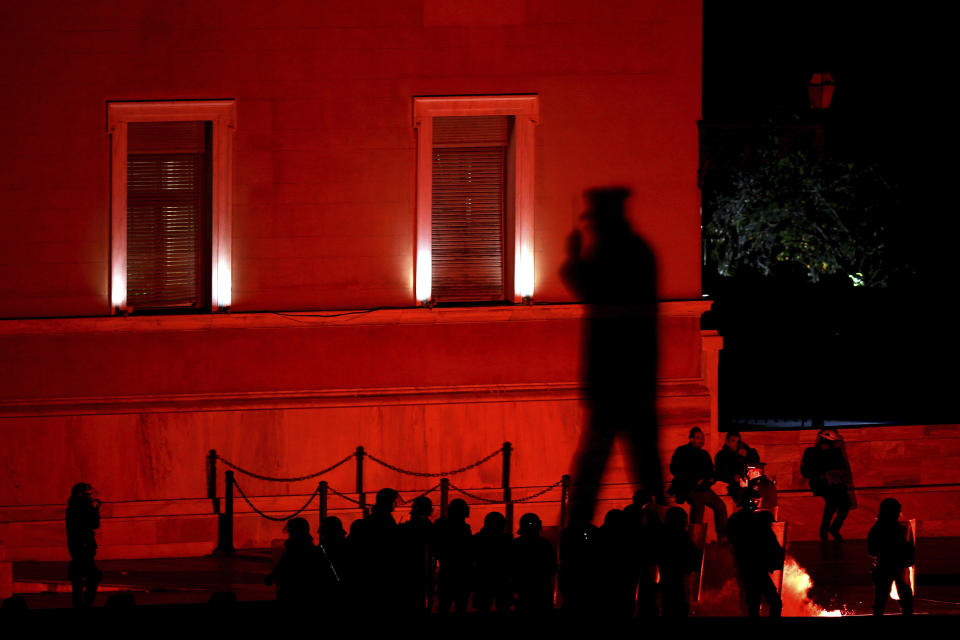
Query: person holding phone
x,y
83,519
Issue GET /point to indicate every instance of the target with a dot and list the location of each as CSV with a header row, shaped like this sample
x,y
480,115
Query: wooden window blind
x,y
469,202
168,215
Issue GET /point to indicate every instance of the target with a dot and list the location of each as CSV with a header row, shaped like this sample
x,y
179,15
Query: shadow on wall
x,y
611,269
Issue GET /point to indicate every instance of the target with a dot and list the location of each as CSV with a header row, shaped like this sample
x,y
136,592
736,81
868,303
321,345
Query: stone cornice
x,y
307,319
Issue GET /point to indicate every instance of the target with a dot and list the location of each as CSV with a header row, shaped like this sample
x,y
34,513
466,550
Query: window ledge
x,y
292,319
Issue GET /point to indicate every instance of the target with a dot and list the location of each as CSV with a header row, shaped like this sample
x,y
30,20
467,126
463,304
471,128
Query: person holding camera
x,y
83,519
731,463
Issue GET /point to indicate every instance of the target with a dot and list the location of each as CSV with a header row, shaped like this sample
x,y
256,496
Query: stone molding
x,y
321,398
307,319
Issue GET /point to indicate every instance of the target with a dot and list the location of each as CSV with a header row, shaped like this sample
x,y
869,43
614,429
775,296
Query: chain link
x,y
424,474
514,500
425,493
272,479
539,493
474,496
274,518
343,495
429,491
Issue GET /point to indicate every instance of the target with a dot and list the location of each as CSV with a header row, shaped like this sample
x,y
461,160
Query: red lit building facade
x,y
290,327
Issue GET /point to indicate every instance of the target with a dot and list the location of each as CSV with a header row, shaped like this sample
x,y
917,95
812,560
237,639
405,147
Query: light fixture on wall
x,y
424,282
524,275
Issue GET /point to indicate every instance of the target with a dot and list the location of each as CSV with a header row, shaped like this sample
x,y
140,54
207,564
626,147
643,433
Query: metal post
x,y
323,490
507,497
361,496
225,529
564,497
444,496
212,480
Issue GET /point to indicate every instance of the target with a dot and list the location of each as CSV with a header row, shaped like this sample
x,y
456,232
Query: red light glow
x,y
796,586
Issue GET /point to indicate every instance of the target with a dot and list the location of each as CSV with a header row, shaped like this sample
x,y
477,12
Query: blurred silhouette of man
x,y
83,519
893,554
611,269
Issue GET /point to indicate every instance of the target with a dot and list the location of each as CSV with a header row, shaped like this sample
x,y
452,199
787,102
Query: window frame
x,y
222,116
525,109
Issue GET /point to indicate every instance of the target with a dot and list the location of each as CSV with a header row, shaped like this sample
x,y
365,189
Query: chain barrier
x,y
343,495
539,493
425,493
515,500
429,491
268,516
474,496
424,474
273,479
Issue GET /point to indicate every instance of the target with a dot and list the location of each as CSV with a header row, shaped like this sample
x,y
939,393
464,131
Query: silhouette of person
x,y
334,563
893,554
619,566
611,269
579,575
645,532
827,469
534,563
692,471
491,550
359,571
296,572
677,558
757,553
416,562
83,519
453,551
375,556
731,463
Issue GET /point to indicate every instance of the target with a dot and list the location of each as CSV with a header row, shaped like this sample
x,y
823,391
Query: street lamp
x,y
820,89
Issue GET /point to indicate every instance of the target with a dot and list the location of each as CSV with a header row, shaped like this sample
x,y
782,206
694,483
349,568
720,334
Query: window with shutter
x,y
474,198
168,215
170,205
469,201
